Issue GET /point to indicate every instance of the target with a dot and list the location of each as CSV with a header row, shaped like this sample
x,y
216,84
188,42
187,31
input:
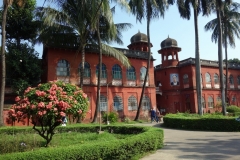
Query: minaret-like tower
x,y
169,51
139,42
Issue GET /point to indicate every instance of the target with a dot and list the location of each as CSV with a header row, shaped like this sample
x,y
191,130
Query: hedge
x,y
146,139
204,123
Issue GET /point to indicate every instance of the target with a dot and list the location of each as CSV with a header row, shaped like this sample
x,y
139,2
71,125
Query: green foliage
x,y
23,68
233,109
20,22
134,141
208,122
112,117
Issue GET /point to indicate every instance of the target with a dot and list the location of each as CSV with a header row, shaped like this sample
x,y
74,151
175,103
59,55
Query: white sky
x,y
175,27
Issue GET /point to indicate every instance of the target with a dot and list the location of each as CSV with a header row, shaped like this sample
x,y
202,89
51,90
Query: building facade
x,y
176,82
121,87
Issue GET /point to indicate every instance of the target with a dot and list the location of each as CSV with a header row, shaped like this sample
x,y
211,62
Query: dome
x,y
139,37
169,42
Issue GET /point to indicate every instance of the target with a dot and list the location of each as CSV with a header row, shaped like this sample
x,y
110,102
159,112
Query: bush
x,y
233,109
112,117
206,122
145,139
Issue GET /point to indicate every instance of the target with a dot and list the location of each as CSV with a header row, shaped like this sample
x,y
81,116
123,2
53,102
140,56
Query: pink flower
x,y
80,111
17,99
41,105
84,95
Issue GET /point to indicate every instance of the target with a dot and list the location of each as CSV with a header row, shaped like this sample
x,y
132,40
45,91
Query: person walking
x,y
153,115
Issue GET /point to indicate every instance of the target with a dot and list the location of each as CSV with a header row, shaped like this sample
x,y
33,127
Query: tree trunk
x,y
221,60
226,57
82,66
3,63
99,78
148,66
198,65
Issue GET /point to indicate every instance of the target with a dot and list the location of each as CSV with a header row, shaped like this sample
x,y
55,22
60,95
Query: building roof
x,y
139,37
169,42
191,61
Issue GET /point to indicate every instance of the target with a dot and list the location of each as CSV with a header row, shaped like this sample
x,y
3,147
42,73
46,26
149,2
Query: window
x,y
208,78
185,79
238,80
131,74
219,99
103,103
117,72
210,102
104,71
143,71
132,103
216,79
87,71
231,79
63,68
145,103
203,103
234,99
117,103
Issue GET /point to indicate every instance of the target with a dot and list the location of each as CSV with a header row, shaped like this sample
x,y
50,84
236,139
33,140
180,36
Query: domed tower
x,y
139,42
169,50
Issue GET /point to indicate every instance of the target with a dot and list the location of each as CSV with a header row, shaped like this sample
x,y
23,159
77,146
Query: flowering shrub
x,y
47,104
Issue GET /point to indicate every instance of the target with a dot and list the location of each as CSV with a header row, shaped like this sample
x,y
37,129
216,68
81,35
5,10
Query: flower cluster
x,y
50,102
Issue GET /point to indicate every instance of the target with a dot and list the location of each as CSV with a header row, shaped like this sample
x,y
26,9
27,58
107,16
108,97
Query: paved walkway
x,y
197,145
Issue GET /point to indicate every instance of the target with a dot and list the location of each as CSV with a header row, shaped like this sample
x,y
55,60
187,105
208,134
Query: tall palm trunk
x,y
220,59
148,65
226,57
82,65
99,77
3,62
198,64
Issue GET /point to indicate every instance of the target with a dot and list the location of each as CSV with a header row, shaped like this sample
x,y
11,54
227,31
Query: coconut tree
x,y
148,9
184,7
6,4
218,4
230,26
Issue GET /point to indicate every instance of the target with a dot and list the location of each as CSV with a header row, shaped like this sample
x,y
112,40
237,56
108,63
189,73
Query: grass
x,y
27,142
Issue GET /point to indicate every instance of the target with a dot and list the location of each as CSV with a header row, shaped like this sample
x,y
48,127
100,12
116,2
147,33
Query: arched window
x,y
87,71
117,103
63,68
216,79
231,79
219,99
131,74
104,71
238,80
116,72
210,102
103,103
143,71
203,103
145,103
208,78
185,79
132,103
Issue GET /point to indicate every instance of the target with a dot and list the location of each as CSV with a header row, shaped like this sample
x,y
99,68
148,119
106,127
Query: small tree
x,y
47,104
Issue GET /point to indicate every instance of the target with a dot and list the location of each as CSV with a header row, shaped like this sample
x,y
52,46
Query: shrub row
x,y
206,123
146,139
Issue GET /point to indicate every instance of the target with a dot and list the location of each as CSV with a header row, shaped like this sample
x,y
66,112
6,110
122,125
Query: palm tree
x,y
231,27
77,23
219,7
151,9
184,7
6,4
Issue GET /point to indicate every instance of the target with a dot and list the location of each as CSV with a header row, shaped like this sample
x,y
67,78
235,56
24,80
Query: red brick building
x,y
120,86
177,84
